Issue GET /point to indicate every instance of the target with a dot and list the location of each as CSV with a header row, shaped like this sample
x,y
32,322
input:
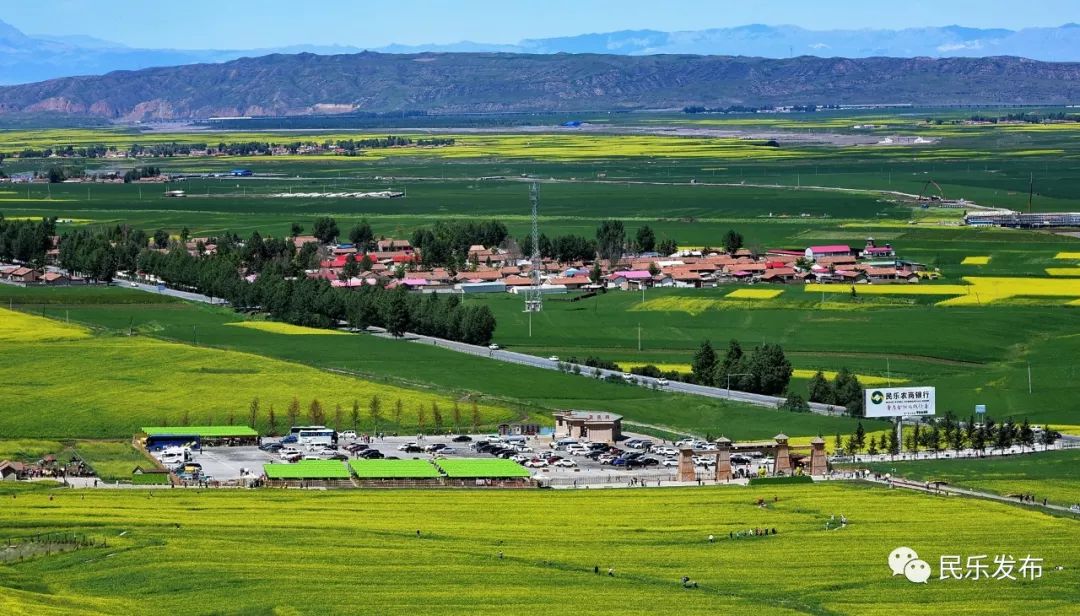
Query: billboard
x,y
899,401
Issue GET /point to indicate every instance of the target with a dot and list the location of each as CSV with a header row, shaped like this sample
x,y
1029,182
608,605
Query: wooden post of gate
x,y
783,458
818,466
686,465
723,459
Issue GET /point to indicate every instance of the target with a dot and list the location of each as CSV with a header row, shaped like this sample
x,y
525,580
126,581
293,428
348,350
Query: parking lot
x,y
557,464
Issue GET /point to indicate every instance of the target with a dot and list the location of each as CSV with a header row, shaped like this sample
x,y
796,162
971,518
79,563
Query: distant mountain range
x,y
29,58
305,84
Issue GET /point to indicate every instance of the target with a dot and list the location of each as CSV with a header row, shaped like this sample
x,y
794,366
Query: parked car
x,y
370,454
405,446
669,462
493,346
271,447
462,438
537,463
336,456
348,434
553,358
566,463
434,447
446,450
412,449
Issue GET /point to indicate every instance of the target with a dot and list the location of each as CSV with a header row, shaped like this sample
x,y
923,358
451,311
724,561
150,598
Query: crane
x,y
938,197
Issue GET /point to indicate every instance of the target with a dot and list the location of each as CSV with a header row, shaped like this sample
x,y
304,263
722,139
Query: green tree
x,y
894,443
292,412
362,236
872,448
316,415
475,416
847,392
397,313
1048,437
667,247
733,241
596,274
339,417
375,410
271,421
295,229
325,230
770,369
838,443
704,364
820,390
399,410
795,403
161,239
610,239
733,365
860,435
354,415
1026,436
253,413
646,239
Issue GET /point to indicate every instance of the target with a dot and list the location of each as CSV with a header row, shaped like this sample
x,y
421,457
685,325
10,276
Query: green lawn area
x,y
393,469
417,369
359,552
307,469
1052,475
474,468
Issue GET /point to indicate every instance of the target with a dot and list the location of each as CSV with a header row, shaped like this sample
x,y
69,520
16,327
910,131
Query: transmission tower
x,y
534,301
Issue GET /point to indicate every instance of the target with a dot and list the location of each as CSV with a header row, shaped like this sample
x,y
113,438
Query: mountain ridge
x,y
31,58
307,84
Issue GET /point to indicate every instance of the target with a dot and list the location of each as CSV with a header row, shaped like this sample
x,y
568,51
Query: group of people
x,y
1030,498
753,532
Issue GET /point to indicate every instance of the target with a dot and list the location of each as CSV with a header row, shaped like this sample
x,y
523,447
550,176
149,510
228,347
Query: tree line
x,y
844,390
26,241
446,243
948,433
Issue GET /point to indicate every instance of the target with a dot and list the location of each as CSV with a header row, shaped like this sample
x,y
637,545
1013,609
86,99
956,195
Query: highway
x,y
539,362
588,372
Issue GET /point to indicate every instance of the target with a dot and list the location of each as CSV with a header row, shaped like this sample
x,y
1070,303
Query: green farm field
x,y
1051,475
905,337
357,552
413,369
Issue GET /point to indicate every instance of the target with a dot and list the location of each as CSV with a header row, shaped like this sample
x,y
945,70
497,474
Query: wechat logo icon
x,y
904,561
877,397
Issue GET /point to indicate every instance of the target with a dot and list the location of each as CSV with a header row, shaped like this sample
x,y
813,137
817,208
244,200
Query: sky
x,y
250,24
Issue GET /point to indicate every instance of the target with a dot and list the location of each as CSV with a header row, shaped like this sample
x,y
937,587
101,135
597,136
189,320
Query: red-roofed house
x,y
832,250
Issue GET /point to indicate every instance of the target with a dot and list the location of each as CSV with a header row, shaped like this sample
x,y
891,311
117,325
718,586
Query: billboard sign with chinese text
x,y
899,402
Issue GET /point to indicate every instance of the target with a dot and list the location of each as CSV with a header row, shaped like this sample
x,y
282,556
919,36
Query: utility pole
x,y
639,337
1029,377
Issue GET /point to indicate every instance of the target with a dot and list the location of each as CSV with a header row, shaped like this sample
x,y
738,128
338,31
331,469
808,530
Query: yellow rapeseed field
x,y
1063,271
975,261
287,329
672,303
754,293
865,379
977,292
19,327
1068,255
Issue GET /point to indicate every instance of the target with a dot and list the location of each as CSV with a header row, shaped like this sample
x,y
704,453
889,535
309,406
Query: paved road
x,y
191,297
587,372
541,362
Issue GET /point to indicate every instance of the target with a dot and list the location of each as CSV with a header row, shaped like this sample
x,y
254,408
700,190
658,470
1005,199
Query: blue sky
x,y
244,24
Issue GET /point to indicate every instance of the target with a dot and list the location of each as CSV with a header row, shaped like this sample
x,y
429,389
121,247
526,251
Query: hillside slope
x,y
493,82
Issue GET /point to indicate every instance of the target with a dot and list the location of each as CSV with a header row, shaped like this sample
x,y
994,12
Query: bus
x,y
314,435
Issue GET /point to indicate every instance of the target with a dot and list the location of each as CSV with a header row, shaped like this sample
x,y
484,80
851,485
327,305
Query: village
x,y
396,263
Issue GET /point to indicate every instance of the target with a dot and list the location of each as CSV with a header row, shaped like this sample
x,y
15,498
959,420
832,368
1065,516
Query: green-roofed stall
x,y
158,437
306,471
482,468
394,469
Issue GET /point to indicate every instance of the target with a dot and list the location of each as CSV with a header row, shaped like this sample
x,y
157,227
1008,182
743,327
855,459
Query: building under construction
x,y
1019,220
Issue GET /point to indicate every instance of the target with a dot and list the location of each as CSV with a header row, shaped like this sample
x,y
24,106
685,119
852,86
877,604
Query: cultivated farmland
x,y
364,553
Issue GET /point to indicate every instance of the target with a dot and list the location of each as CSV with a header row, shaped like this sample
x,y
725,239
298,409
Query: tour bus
x,y
308,436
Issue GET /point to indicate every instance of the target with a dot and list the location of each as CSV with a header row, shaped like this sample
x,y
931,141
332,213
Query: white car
x,y
553,358
627,376
669,462
538,463
493,346
565,463
662,382
445,450
348,434
521,458
605,458
405,446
